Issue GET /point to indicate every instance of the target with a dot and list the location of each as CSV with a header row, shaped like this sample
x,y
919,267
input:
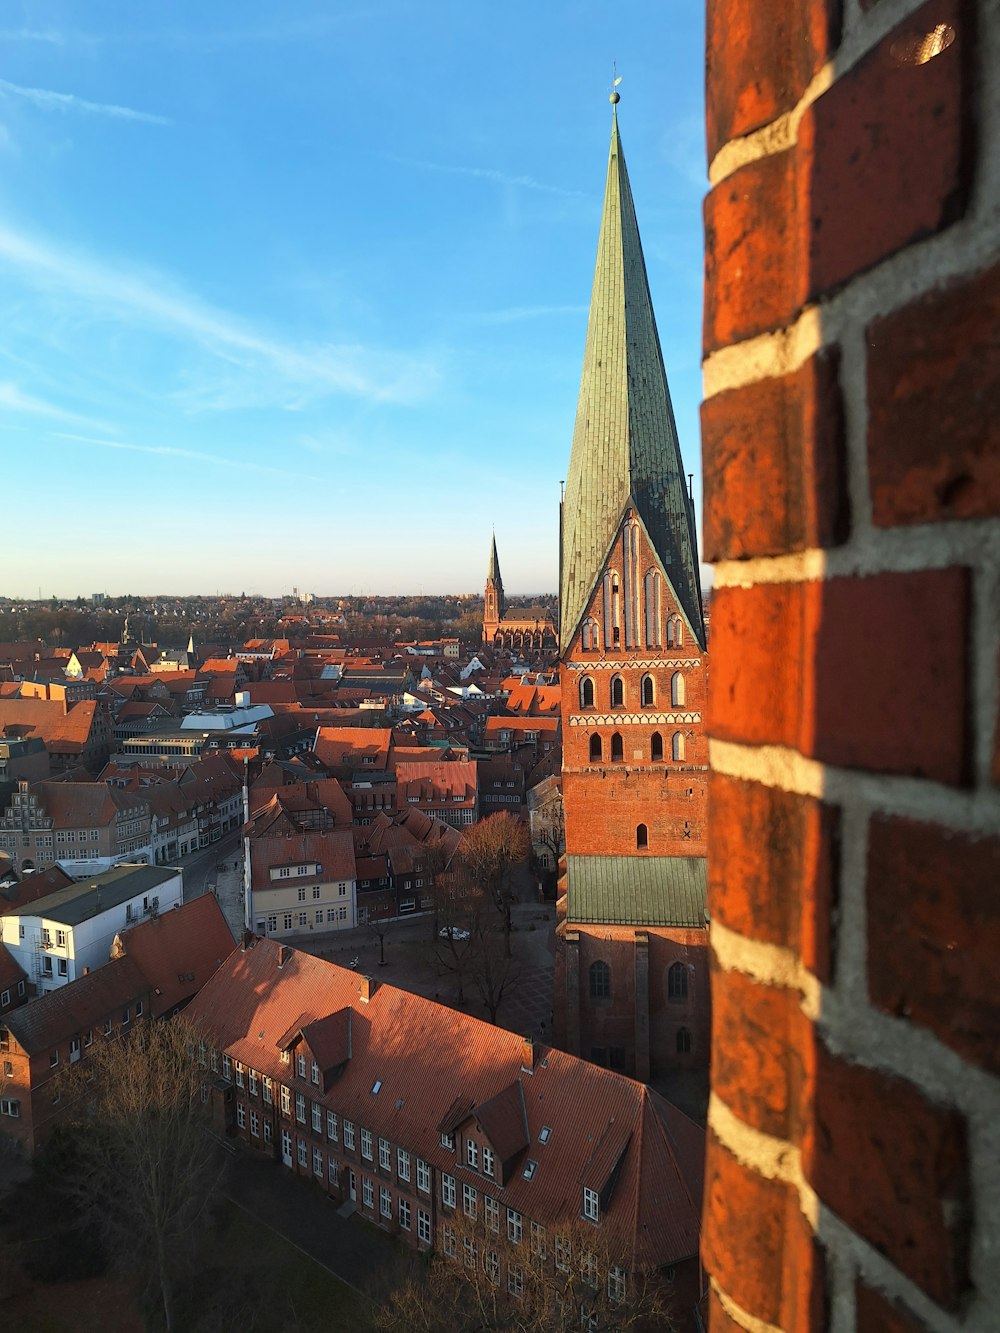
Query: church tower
x,y
631,983
495,606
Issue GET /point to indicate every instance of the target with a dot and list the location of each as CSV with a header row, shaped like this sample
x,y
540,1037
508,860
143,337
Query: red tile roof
x,y
178,951
77,1006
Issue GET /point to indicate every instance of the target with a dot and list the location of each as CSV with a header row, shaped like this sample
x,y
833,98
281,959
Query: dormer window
x,y
591,1205
472,1153
300,1065
487,1161
448,1141
314,1073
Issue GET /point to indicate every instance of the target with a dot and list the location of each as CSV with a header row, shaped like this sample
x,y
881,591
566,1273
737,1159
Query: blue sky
x,y
295,295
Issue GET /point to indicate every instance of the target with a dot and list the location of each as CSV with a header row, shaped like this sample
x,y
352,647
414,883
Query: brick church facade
x,y
631,987
528,631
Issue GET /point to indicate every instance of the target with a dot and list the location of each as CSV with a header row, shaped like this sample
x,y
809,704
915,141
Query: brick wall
x,y
851,432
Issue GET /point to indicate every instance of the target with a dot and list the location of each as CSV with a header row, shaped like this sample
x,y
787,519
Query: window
x,y
241,1115
227,1067
471,1251
677,982
515,1226
348,1133
404,1214
515,1280
267,1089
423,1176
239,1073
656,747
491,1266
646,692
252,1082
449,1242
448,1191
46,967
254,1124
287,920
472,1153
300,1108
317,1117
366,1144
88,1038
641,837
591,1205
588,1269
487,1161
53,1059
331,1125
563,1253
448,1141
675,632
272,924
300,1065
4,998
384,1155
316,893
586,692
538,1246
617,752
333,1171
286,1101
491,1213
303,918
367,1192
267,1131
470,1201
10,1106
617,692
402,1164
302,894
600,981
683,1041
384,1201
20,988
61,939
596,751
677,745
616,1284
318,1163
423,1227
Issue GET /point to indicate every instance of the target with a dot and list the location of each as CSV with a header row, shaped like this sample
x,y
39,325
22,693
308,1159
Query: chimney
x,y
528,1054
282,953
368,988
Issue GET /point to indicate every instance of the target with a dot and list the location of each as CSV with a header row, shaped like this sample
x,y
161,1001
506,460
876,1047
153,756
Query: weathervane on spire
x,y
615,97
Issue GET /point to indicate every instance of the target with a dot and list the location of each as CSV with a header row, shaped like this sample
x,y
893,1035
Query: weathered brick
x,y
719,1319
761,59
778,444
759,1247
772,874
885,155
762,1053
876,1314
894,1166
934,932
840,669
753,280
933,395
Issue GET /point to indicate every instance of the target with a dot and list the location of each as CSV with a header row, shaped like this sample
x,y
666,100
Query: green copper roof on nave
x,y
625,448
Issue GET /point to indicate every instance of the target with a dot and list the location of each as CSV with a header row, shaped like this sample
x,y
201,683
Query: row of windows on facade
x,y
600,981
636,609
647,691
678,747
289,920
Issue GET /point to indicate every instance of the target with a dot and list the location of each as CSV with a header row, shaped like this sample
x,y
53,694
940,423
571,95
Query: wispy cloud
x,y
517,313
48,100
192,455
150,299
488,174
47,35
15,400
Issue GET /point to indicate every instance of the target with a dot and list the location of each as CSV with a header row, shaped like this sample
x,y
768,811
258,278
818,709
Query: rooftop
x,y
89,897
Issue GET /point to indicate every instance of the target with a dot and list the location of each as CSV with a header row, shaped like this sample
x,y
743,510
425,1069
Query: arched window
x,y
651,589
596,750
590,639
677,690
617,753
683,1041
656,747
677,982
641,837
677,745
600,981
586,693
647,693
675,632
617,692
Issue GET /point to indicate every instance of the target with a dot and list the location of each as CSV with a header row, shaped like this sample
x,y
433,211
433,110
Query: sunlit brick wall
x,y
852,491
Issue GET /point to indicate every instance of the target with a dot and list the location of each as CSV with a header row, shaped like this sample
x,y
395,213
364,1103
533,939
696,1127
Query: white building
x,y
59,937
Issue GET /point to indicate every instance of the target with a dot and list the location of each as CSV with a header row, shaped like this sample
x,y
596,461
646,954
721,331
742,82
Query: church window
x,y
596,749
590,640
586,692
617,753
617,692
600,981
683,1041
675,632
677,690
656,747
651,593
641,837
646,692
630,567
677,982
677,745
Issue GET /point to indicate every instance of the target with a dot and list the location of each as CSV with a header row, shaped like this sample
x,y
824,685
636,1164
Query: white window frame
x,y
448,1192
403,1164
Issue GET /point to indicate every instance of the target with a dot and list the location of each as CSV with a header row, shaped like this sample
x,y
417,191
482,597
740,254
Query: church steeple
x,y
625,453
494,603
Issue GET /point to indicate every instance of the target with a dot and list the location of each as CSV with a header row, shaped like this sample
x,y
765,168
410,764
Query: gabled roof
x,y
177,951
74,1008
625,450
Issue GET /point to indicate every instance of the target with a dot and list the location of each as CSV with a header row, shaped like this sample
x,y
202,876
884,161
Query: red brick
x,y
753,279
772,873
761,59
888,148
894,1167
876,1314
934,406
778,445
719,1321
761,1053
840,670
759,1247
934,932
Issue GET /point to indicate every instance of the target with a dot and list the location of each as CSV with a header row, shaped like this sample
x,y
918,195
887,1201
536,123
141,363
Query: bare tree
x,y
489,853
485,1281
493,967
148,1166
379,927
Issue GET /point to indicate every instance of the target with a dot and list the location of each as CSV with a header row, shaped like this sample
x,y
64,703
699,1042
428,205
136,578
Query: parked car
x,y
453,933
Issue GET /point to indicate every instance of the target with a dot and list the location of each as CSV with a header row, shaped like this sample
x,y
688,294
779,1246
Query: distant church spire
x,y
494,603
625,452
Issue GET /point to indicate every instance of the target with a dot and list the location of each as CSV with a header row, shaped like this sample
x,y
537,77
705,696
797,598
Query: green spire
x,y
493,574
625,450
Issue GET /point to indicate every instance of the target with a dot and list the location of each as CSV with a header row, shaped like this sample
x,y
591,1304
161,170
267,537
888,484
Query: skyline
x,y
242,290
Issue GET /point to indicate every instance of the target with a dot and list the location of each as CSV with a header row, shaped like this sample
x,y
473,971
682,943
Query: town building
x,y
631,980
529,631
86,827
